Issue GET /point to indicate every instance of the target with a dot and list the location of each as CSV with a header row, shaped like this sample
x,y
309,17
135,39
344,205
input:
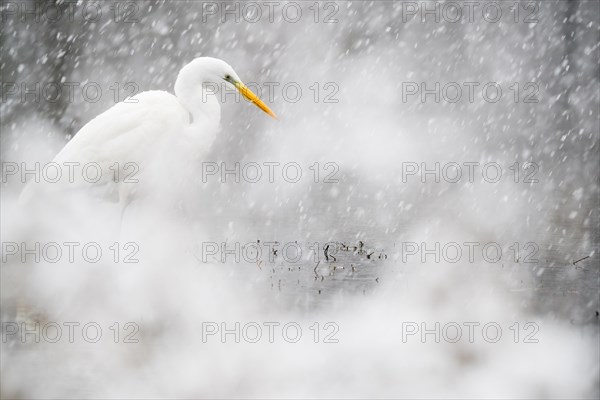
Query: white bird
x,y
127,136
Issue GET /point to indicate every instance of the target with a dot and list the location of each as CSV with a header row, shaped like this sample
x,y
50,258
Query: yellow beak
x,y
250,96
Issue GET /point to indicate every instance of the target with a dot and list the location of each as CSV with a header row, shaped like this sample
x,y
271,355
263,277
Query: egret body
x,y
129,134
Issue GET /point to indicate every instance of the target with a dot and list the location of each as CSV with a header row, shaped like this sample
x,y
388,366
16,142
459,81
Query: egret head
x,y
213,70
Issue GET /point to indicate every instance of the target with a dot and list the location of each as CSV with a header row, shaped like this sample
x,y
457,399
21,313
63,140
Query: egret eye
x,y
227,77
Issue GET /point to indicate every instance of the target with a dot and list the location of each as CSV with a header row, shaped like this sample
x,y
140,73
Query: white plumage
x,y
132,133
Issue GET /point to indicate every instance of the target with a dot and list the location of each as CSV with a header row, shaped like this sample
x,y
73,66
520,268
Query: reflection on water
x,y
560,276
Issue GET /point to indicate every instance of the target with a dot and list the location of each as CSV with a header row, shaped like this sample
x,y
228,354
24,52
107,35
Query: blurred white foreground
x,y
176,301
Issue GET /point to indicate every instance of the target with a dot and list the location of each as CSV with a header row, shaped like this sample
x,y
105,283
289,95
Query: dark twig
x,y
581,259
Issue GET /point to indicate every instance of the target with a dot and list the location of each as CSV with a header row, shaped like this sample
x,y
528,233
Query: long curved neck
x,y
201,104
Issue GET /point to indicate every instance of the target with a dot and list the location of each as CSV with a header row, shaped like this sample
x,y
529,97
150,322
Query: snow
x,y
356,119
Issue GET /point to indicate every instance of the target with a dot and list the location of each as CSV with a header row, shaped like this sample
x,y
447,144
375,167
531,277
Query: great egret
x,y
125,137
154,132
